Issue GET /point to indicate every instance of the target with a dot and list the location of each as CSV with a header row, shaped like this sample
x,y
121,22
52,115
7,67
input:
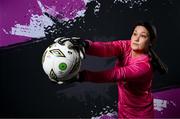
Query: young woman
x,y
133,71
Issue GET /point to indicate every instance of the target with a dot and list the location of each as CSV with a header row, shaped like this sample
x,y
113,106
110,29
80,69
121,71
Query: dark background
x,y
26,91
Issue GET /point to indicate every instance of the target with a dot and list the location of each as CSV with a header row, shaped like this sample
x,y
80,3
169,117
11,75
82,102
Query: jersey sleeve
x,y
133,72
107,49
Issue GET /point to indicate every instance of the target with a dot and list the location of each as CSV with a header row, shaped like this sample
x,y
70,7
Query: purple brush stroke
x,y
19,12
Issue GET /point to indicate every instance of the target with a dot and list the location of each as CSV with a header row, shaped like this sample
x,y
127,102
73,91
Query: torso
x,y
134,96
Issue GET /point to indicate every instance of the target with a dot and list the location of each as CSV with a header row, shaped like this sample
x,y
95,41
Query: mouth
x,y
135,44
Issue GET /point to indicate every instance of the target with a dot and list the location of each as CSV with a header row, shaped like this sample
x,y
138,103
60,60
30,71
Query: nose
x,y
136,38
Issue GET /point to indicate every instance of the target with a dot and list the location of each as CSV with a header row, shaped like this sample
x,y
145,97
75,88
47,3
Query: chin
x,y
134,48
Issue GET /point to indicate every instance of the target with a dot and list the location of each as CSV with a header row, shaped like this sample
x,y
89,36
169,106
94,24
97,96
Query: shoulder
x,y
124,43
125,46
143,61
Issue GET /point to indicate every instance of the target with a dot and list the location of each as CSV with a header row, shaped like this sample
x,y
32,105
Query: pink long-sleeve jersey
x,y
133,77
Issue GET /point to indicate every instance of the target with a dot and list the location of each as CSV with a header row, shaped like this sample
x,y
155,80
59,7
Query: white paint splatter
x,y
37,22
41,6
80,13
50,10
6,32
107,112
112,115
131,3
160,104
97,8
35,29
87,1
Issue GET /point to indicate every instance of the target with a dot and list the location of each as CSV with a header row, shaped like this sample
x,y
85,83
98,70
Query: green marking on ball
x,y
62,66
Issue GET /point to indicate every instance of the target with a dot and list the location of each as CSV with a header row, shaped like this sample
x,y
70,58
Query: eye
x,y
144,36
134,34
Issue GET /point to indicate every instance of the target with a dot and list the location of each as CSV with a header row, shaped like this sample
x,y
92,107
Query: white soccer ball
x,y
60,62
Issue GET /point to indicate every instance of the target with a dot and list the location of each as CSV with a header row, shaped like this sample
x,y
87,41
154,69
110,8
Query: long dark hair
x,y
156,61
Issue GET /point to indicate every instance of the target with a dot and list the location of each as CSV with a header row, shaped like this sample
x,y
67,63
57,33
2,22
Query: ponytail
x,y
157,62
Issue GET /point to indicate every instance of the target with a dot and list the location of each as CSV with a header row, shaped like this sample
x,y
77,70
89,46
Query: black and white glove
x,y
77,44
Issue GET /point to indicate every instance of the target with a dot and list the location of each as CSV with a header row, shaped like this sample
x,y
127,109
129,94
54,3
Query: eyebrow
x,y
141,32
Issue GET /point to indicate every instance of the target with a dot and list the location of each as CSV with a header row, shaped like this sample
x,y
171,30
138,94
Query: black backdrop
x,y
27,92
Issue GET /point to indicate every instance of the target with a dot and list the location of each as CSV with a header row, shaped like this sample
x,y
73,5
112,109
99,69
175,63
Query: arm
x,y
133,72
107,49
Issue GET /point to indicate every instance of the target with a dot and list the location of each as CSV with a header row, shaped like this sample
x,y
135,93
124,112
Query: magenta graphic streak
x,y
172,96
167,100
14,11
20,11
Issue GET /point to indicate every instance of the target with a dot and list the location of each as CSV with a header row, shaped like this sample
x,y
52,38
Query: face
x,y
140,39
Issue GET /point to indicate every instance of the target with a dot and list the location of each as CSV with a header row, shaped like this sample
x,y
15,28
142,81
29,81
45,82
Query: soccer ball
x,y
60,62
